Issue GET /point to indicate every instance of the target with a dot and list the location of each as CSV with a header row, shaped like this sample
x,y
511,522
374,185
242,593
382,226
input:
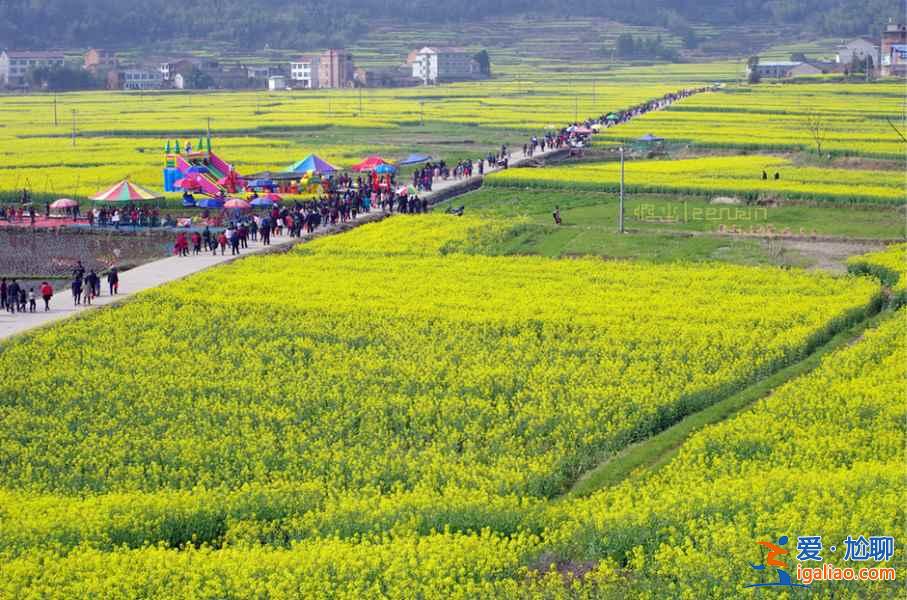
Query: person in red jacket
x,y
47,292
196,243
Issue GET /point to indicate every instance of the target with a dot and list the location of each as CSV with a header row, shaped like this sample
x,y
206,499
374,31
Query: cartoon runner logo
x,y
775,550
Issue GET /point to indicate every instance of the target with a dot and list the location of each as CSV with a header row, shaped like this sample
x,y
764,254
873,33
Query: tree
x,y
752,65
197,79
626,46
484,62
62,79
798,57
815,125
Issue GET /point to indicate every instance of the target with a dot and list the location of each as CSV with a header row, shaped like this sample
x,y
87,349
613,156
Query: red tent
x,y
370,163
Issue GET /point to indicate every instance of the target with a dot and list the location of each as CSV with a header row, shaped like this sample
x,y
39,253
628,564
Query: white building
x,y
140,79
861,48
15,66
432,65
304,72
277,82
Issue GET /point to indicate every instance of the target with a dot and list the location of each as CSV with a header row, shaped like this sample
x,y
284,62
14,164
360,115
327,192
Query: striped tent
x,y
125,191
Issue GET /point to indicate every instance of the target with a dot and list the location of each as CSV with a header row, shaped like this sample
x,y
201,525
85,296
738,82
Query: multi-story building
x,y
432,65
335,69
97,60
15,66
304,72
894,50
134,79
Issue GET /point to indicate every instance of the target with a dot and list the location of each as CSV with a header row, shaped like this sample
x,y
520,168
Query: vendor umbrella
x,y
237,203
274,197
262,202
64,203
210,203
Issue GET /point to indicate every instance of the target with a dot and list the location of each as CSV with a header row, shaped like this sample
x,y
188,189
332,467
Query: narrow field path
x,y
649,455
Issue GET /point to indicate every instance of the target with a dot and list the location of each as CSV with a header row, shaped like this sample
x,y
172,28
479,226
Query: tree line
x,y
322,23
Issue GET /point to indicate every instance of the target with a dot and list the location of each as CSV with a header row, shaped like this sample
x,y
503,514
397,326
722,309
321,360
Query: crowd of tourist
x,y
342,200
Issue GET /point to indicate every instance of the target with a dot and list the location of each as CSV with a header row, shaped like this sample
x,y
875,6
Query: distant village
x,y
333,68
885,56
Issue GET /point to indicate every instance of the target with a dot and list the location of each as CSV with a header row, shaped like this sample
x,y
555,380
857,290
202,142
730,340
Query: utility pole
x,y
73,127
620,214
55,111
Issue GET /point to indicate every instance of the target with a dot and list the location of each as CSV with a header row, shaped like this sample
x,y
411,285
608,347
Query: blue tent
x,y
262,203
414,159
312,162
260,183
189,203
385,168
210,203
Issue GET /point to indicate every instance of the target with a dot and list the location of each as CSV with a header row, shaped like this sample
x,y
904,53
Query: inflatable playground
x,y
200,171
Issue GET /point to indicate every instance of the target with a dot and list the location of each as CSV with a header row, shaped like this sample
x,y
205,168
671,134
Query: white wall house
x,y
304,72
277,82
15,66
431,65
140,79
861,48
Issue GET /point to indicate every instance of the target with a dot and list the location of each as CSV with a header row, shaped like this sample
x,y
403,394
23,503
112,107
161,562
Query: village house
x,y
894,50
97,60
134,78
330,69
389,77
433,65
15,66
859,48
304,72
335,69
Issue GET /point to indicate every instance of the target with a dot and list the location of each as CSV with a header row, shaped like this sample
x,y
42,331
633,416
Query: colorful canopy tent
x,y
369,164
612,117
385,168
312,162
582,130
125,191
413,159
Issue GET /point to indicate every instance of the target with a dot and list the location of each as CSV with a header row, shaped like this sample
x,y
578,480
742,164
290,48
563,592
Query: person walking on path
x,y
222,242
3,287
47,292
113,281
12,296
32,301
196,243
76,290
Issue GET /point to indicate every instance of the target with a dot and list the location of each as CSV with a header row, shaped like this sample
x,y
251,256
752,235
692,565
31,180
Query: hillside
x,y
267,23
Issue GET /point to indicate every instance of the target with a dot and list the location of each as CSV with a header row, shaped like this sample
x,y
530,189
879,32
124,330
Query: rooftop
x,y
33,54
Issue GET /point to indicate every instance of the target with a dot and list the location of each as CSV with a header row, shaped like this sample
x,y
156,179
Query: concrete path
x,y
162,271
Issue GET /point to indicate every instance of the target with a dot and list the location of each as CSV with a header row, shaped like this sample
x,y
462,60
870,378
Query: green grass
x,y
657,450
692,214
